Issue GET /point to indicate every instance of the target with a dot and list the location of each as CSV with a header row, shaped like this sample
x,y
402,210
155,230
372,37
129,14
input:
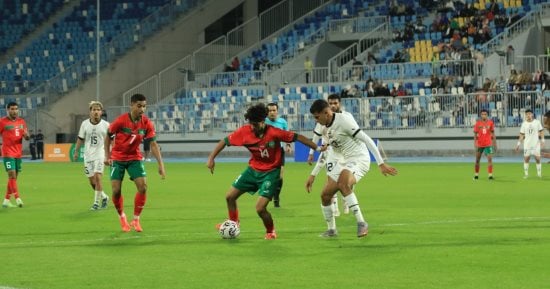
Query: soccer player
x,y
13,130
128,131
274,120
92,134
264,144
531,134
484,142
347,139
328,158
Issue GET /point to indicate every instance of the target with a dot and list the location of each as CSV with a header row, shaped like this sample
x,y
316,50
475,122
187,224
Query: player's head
x,y
272,111
321,111
12,109
255,115
484,114
96,109
334,102
546,120
529,115
138,104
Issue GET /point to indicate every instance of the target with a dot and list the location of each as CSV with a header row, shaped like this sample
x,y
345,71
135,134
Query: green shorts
x,y
487,150
251,181
12,164
135,170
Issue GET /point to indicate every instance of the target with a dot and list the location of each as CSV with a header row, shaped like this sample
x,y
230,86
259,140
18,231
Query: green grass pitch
x,y
430,227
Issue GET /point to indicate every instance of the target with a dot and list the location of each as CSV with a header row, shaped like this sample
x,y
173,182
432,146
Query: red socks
x,y
234,215
12,189
490,169
119,204
477,168
139,202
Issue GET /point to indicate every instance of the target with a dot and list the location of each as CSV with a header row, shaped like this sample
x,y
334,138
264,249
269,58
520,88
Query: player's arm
x,y
155,150
77,147
315,139
210,163
494,138
384,168
520,140
107,148
318,166
305,140
541,137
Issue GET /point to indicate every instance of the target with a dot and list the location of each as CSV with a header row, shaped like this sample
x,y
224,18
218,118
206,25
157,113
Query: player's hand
x,y
288,148
387,170
517,149
310,159
162,172
309,183
211,164
75,156
108,162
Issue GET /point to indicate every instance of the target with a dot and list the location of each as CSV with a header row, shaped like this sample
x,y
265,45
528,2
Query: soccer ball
x,y
229,230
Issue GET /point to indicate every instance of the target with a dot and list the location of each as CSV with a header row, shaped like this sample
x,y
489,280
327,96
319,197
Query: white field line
x,y
131,236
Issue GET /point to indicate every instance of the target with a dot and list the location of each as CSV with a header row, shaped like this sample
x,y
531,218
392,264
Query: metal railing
x,y
526,22
355,25
384,115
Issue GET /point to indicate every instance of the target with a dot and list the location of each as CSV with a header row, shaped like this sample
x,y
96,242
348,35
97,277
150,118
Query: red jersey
x,y
484,131
266,151
12,136
129,134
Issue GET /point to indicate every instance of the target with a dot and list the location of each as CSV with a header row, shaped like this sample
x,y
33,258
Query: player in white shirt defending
x,y
347,139
327,158
92,135
532,135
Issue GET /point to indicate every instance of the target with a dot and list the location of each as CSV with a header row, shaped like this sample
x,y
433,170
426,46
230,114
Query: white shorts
x,y
359,168
93,167
532,151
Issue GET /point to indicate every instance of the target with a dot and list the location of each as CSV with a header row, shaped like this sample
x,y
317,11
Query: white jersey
x,y
93,137
341,136
531,132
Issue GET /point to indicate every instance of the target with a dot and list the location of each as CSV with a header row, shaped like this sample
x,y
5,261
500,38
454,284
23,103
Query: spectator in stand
x,y
235,64
308,66
371,60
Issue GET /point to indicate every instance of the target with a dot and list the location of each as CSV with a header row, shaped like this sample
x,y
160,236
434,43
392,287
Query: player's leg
x,y
347,180
89,172
279,186
335,208
117,175
9,165
266,190
489,154
136,171
247,181
526,159
99,166
476,167
13,179
329,190
536,154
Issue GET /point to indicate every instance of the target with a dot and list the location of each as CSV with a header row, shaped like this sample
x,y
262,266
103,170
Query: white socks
x,y
353,204
329,216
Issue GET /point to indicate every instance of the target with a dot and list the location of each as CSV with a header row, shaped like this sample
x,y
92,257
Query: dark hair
x,y
483,110
318,106
334,96
273,104
528,110
547,114
256,113
11,103
137,97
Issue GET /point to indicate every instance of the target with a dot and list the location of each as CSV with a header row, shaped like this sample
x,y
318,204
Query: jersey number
x,y
133,137
93,140
264,153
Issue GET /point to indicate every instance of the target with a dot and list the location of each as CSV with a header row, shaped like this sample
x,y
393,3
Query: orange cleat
x,y
271,236
124,224
136,225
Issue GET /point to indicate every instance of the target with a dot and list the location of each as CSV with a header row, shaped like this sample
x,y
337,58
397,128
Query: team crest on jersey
x,y
271,144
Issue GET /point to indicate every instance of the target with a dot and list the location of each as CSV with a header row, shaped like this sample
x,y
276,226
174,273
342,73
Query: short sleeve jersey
x,y
278,123
93,137
484,131
341,134
12,136
128,135
266,153
531,132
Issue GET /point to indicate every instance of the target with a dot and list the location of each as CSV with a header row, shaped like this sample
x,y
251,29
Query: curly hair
x,y
256,113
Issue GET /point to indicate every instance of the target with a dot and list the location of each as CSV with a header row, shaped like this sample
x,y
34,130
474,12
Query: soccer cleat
x,y
8,204
19,202
104,202
276,204
476,178
362,229
94,207
329,233
491,178
271,236
124,224
136,225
